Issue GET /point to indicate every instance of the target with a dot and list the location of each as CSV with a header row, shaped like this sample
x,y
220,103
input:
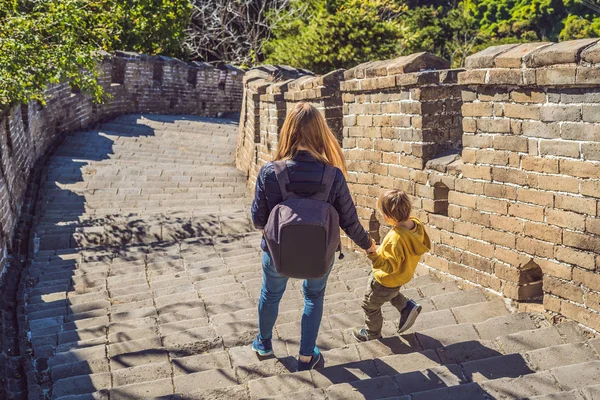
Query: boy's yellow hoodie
x,y
397,257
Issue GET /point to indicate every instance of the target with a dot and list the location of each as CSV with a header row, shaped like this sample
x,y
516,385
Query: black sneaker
x,y
361,335
312,364
408,316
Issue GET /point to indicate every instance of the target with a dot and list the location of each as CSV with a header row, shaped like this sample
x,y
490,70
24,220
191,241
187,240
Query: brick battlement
x,y
502,159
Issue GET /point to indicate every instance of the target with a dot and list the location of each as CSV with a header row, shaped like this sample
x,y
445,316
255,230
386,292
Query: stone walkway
x,y
147,274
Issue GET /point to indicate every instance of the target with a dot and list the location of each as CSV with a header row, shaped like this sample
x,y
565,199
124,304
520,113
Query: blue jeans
x,y
268,305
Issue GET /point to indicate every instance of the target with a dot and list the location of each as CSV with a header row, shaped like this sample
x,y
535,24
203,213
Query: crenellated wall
x,y
502,160
135,84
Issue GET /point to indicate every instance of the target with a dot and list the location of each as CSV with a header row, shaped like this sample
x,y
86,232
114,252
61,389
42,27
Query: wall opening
x,y
118,71
25,116
222,79
9,140
192,77
157,72
531,283
440,198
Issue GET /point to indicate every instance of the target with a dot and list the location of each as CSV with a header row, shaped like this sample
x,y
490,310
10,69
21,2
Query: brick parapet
x,y
501,159
531,119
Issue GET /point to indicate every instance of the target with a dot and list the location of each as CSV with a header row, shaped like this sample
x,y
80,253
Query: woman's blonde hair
x,y
305,127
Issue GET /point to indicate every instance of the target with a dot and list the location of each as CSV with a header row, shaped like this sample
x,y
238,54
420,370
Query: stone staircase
x,y
147,275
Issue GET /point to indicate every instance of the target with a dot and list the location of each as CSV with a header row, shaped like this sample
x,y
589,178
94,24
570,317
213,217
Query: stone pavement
x,y
147,273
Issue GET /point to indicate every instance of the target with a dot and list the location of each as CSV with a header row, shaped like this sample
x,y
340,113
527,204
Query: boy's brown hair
x,y
395,204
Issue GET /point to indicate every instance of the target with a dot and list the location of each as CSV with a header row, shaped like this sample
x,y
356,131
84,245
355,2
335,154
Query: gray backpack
x,y
303,232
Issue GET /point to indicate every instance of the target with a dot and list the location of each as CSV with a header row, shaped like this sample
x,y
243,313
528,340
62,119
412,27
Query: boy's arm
x,y
388,259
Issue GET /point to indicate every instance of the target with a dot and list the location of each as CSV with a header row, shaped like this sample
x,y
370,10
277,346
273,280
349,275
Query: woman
x,y
306,143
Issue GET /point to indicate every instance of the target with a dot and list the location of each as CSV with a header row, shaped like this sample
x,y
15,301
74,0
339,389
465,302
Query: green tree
x,y
51,41
153,26
337,34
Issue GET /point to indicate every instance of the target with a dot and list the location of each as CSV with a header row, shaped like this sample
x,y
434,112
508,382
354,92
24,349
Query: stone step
x,y
421,375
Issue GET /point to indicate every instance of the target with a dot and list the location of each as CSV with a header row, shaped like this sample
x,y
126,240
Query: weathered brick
x,y
510,175
591,113
556,75
540,164
565,219
555,268
506,223
574,131
527,96
493,125
590,188
540,129
592,225
522,111
563,289
559,148
544,232
586,278
576,257
477,141
512,257
533,213
580,205
512,143
477,109
505,76
492,205
551,113
564,183
472,77
591,151
535,196
496,237
535,247
477,172
582,241
491,157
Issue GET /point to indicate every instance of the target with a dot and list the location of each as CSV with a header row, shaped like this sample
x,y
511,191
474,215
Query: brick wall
x,y
136,84
501,159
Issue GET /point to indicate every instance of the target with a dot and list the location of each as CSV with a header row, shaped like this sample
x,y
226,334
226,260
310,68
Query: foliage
x,y
48,42
153,26
51,41
337,34
452,29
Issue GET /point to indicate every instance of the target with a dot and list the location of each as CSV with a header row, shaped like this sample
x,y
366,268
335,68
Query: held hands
x,y
373,247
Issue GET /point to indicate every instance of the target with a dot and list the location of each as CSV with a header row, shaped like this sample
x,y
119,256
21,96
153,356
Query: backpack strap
x,y
281,174
327,180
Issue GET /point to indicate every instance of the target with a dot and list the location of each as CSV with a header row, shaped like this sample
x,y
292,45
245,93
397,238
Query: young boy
x,y
394,264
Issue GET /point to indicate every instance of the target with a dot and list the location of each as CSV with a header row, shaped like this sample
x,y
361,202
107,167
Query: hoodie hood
x,y
416,241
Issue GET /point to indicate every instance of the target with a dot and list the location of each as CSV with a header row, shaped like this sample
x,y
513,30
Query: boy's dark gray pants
x,y
375,297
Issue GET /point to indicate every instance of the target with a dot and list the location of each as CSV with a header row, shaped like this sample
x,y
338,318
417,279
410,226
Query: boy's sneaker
x,y
362,335
262,347
408,315
306,366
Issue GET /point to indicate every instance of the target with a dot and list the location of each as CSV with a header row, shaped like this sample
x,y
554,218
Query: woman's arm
x,y
346,209
260,208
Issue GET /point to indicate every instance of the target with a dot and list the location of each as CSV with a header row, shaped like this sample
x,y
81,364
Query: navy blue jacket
x,y
305,168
